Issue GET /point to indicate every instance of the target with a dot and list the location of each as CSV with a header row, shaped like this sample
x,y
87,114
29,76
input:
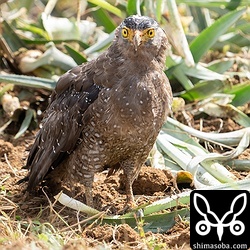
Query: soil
x,y
151,184
109,196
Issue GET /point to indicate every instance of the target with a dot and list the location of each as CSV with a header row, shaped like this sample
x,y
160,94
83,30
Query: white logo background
x,y
236,227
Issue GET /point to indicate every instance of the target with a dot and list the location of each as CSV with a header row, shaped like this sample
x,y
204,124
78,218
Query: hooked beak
x,y
137,39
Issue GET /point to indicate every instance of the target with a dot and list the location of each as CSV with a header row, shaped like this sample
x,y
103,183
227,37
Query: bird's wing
x,y
63,121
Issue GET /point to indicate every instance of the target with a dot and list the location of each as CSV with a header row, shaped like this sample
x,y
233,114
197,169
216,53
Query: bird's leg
x,y
88,184
131,171
89,196
129,192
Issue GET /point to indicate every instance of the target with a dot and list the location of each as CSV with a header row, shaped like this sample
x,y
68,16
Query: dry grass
x,y
67,229
21,233
33,232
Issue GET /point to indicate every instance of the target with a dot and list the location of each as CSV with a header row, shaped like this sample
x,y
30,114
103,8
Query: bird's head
x,y
141,35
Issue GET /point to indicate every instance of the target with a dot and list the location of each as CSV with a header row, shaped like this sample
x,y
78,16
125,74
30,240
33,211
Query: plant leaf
x,y
158,10
241,92
220,66
176,34
204,41
26,122
154,223
230,138
131,7
107,6
103,19
214,3
203,90
78,57
10,36
100,45
29,81
239,165
52,56
200,72
33,29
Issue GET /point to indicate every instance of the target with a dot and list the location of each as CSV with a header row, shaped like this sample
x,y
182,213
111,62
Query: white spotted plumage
x,y
105,113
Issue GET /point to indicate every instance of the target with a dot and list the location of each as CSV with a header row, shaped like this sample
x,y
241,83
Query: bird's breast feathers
x,y
139,102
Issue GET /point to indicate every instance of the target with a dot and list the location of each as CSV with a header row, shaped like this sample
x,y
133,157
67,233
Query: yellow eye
x,y
124,32
151,33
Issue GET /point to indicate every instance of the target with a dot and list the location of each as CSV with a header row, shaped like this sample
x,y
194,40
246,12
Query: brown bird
x,y
107,112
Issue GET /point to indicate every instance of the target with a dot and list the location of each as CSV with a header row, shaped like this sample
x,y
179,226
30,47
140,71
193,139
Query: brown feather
x,y
107,112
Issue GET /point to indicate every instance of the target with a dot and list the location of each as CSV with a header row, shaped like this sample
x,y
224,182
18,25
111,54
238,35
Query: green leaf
x,y
179,69
107,6
33,29
241,92
159,4
176,33
203,42
214,3
26,122
201,72
28,81
154,223
43,41
203,90
167,203
131,7
175,65
229,138
78,57
182,78
199,18
220,66
233,4
10,37
102,18
149,220
27,4
194,159
5,88
235,37
100,45
239,165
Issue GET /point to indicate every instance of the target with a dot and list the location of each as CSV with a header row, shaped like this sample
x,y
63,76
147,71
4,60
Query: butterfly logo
x,y
210,219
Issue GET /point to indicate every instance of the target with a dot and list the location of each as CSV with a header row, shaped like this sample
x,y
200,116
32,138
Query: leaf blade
x,y
26,123
202,43
107,6
29,81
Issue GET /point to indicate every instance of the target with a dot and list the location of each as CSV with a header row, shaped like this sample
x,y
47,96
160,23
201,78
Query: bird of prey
x,y
105,113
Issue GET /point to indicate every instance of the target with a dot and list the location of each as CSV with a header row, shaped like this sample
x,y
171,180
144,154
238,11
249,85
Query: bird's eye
x,y
151,33
124,32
